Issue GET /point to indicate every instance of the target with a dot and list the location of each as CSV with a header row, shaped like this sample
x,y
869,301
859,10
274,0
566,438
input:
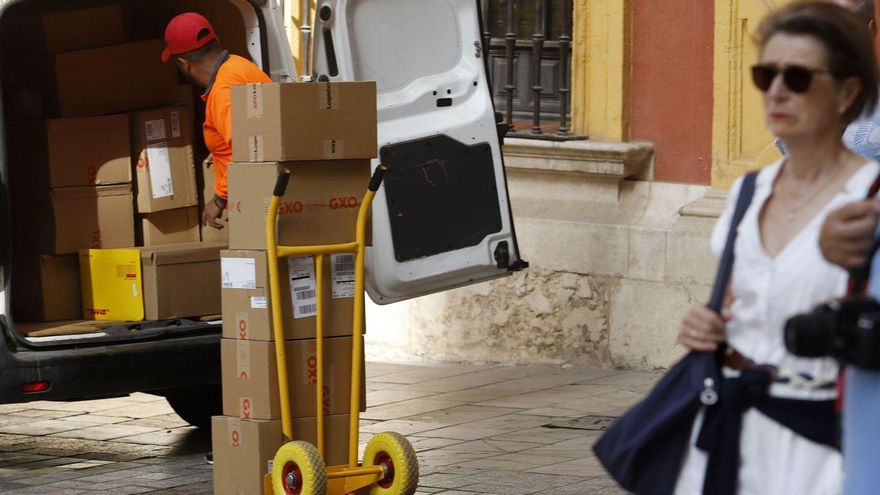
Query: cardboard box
x,y
86,151
320,204
247,311
82,29
250,378
181,280
244,449
47,288
65,220
163,157
132,76
170,226
111,284
296,121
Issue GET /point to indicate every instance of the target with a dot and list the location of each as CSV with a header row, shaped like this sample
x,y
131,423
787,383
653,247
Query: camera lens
x,y
811,334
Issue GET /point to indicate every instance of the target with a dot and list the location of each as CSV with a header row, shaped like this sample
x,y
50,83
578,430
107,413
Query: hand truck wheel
x,y
298,470
396,454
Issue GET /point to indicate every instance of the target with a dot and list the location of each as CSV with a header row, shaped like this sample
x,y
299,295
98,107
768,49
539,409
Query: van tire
x,y
196,405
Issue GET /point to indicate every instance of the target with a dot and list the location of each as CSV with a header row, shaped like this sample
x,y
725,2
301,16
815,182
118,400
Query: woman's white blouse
x,y
768,290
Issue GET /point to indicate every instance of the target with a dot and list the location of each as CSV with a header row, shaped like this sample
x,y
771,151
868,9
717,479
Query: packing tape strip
x,y
254,101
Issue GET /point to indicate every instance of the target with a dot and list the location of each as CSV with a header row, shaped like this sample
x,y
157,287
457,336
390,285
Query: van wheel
x,y
197,404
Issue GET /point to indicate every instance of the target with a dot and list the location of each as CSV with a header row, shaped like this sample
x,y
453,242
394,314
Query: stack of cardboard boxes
x,y
325,135
100,137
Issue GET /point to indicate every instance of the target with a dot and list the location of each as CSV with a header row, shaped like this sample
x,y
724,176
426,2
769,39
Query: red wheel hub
x,y
383,459
292,478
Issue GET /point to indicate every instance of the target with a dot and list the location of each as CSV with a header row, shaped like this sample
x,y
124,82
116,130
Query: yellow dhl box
x,y
111,284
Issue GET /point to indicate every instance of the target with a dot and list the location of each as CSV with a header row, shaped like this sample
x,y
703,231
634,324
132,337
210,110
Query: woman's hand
x,y
703,329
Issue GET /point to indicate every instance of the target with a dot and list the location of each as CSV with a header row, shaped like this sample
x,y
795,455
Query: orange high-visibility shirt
x,y
218,114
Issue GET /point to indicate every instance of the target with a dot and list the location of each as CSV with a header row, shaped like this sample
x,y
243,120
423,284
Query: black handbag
x,y
643,449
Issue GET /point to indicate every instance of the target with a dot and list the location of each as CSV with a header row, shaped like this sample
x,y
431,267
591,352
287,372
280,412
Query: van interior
x,y
35,35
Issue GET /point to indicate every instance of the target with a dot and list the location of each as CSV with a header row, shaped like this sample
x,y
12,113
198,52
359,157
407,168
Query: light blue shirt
x,y
861,410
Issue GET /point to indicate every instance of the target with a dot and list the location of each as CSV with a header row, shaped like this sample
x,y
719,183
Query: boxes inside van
x,y
103,141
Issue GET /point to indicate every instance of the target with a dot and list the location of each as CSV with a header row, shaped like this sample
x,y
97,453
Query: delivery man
x,y
196,50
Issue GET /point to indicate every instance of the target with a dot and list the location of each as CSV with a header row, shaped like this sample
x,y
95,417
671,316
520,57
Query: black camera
x,y
847,329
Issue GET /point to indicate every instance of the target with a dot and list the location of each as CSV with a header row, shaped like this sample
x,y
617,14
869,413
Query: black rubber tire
x,y
196,405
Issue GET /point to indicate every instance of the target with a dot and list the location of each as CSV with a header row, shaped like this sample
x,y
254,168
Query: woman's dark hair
x,y
847,42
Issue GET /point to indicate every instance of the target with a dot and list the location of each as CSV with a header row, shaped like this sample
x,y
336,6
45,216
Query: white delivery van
x,y
441,220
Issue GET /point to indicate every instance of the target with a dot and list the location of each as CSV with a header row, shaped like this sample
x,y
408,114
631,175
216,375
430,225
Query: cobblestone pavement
x,y
477,429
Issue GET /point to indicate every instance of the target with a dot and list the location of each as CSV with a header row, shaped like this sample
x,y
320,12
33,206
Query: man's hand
x,y
213,212
848,231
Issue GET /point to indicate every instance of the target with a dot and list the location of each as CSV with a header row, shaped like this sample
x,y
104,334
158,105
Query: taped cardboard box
x,y
320,205
170,226
163,157
181,280
47,288
111,284
296,121
87,151
244,449
247,312
67,219
138,79
250,378
83,28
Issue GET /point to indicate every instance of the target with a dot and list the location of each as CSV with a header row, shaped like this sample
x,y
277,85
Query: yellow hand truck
x,y
390,466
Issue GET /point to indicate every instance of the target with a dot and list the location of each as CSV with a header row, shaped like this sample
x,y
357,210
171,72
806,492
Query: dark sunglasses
x,y
796,77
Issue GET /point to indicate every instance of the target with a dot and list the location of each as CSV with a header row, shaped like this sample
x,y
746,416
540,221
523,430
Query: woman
x,y
817,73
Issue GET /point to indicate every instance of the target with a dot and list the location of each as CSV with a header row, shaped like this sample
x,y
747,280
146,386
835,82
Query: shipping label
x,y
342,275
159,165
259,302
175,124
303,286
238,273
155,129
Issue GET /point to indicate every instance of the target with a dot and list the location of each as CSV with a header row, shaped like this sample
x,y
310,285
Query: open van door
x,y
442,219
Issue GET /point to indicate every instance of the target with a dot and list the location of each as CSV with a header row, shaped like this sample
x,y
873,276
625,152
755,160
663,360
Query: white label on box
x,y
234,432
243,360
254,101
255,143
159,166
259,302
175,124
342,274
155,129
238,273
303,287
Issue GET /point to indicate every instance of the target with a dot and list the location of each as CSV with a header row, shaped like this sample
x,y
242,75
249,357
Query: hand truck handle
x,y
281,182
378,175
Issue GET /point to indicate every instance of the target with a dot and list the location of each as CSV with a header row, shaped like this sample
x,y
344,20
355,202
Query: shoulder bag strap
x,y
725,266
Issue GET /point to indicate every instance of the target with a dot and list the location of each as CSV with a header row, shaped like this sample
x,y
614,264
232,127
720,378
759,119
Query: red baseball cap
x,y
182,34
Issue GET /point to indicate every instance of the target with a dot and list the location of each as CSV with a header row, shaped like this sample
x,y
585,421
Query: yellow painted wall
x,y
740,140
600,68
